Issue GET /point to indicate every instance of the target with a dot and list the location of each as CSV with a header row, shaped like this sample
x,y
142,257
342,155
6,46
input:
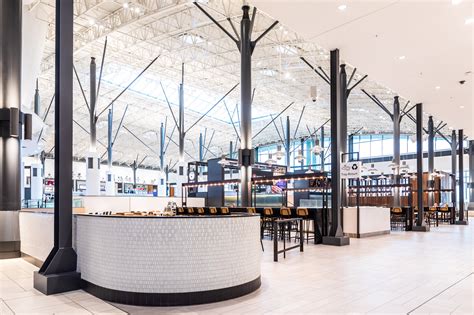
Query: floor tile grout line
x,y
67,297
439,293
8,306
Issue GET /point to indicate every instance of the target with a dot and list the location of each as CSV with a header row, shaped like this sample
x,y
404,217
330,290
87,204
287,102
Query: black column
x,y
343,137
336,235
471,175
454,147
109,138
420,225
10,105
462,220
321,155
430,160
245,153
58,273
287,143
396,149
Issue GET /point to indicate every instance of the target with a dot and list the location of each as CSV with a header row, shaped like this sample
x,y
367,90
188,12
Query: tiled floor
x,y
405,272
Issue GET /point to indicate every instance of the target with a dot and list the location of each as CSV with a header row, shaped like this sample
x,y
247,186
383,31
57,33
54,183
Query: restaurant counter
x,y
165,261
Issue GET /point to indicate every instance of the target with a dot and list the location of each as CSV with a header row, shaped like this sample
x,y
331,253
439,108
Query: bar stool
x,y
200,211
303,213
180,211
267,222
445,213
396,217
431,213
285,213
251,210
213,210
225,210
190,210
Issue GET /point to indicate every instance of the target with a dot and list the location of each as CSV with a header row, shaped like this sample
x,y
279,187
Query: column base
x,y
464,222
57,283
336,240
422,228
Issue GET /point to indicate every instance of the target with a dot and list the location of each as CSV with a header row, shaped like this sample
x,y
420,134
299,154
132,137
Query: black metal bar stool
x,y
303,213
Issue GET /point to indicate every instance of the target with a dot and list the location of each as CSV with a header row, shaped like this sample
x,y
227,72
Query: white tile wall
x,y
168,255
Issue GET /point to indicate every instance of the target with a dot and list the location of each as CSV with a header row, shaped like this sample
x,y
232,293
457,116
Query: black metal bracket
x,y
11,120
246,157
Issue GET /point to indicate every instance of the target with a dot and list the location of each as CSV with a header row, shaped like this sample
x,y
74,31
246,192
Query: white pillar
x,y
36,182
162,185
110,183
92,175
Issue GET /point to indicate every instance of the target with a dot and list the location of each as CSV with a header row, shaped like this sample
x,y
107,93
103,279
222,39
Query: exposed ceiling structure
x,y
178,33
420,49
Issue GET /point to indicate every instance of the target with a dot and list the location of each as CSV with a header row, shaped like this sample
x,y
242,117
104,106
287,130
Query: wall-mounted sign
x,y
351,169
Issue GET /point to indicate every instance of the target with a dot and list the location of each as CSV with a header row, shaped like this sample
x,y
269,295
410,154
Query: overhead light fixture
x,y
402,57
279,153
382,176
406,175
91,22
372,169
438,87
461,107
393,165
300,156
317,148
342,7
309,171
270,160
456,2
125,5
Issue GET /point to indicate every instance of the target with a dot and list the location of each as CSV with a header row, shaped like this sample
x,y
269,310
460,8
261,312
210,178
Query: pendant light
x,y
279,153
270,160
300,156
317,147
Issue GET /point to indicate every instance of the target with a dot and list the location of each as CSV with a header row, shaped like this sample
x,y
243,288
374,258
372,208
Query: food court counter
x,y
163,261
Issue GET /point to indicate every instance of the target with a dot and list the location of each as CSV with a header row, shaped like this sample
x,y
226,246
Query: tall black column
x,y
92,101
10,105
321,154
162,147
181,117
420,225
430,160
287,143
336,235
461,218
396,150
109,138
37,102
343,137
454,147
471,175
58,273
246,109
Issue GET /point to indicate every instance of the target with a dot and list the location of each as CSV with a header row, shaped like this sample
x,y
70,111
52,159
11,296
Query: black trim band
x,y
170,299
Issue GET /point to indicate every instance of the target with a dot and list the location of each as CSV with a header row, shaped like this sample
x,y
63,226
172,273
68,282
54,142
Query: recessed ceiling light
x,y
402,57
137,10
342,7
438,87
91,22
456,2
469,21
125,5
461,107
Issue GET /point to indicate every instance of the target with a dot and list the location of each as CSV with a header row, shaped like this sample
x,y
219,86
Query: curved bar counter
x,y
169,261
